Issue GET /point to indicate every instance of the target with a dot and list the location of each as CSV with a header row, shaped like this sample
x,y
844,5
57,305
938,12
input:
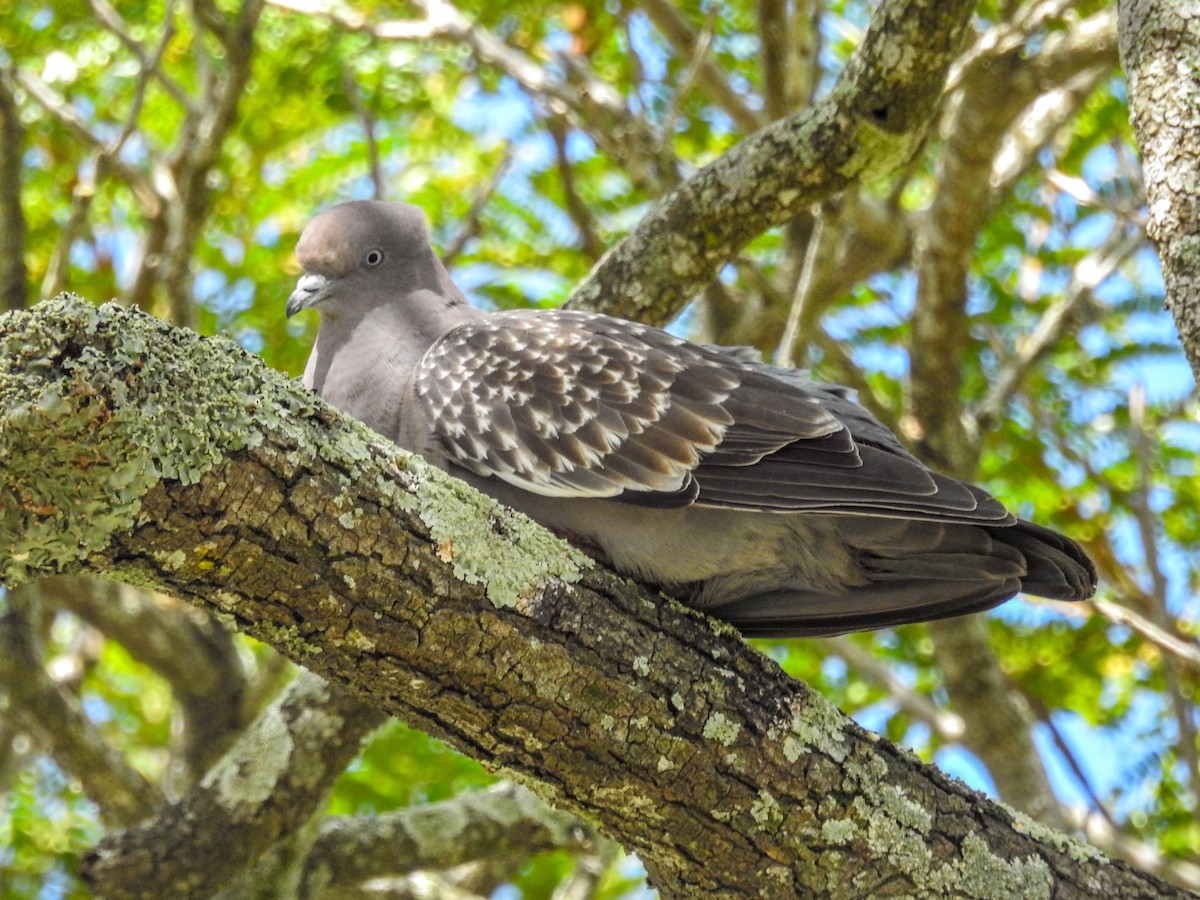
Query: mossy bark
x,y
145,453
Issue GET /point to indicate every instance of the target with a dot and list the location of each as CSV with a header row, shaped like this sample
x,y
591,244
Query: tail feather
x,y
1057,567
918,571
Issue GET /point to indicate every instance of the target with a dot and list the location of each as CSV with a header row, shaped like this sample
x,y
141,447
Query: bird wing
x,y
573,404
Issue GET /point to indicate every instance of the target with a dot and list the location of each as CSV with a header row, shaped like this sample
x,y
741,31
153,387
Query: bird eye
x,y
373,257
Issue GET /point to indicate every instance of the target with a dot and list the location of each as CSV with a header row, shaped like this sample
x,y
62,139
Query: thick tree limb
x,y
13,290
146,453
1160,51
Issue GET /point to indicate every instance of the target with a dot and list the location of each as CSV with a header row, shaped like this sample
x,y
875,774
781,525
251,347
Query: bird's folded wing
x,y
571,404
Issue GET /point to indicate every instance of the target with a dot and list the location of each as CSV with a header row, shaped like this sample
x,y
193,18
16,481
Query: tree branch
x,y
185,646
506,822
160,458
711,79
276,776
55,718
875,116
1160,51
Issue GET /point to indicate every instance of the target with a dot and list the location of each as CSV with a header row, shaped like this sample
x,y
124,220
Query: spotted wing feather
x,y
572,404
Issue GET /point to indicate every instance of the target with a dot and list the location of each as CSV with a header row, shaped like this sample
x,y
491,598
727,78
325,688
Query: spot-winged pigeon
x,y
770,501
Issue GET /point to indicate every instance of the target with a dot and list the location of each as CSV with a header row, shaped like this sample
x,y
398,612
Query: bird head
x,y
352,250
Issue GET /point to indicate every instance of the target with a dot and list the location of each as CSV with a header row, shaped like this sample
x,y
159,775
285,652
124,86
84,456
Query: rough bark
x,y
1160,51
150,455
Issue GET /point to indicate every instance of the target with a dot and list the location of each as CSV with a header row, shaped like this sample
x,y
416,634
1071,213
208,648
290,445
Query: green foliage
x,y
1061,447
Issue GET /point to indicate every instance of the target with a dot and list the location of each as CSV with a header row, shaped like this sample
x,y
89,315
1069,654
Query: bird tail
x,y
919,571
1056,566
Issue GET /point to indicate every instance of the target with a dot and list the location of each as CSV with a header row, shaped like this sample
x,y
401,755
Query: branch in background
x,y
393,579
54,717
82,194
804,71
472,221
14,293
947,724
144,191
992,89
590,243
789,342
198,147
999,721
628,139
774,34
1160,43
875,115
1187,652
1057,321
505,821
271,782
366,121
584,882
1046,718
149,63
1037,127
1147,526
186,647
688,45
696,63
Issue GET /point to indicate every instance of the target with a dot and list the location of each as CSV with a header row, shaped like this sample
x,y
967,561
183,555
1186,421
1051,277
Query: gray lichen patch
x,y
247,778
718,727
981,875
816,725
486,544
97,405
1044,834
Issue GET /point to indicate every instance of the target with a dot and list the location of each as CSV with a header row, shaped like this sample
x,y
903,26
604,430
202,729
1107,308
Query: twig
x,y
366,119
150,63
1185,651
590,242
699,56
81,203
1088,275
679,34
470,224
1144,517
1068,754
948,724
53,103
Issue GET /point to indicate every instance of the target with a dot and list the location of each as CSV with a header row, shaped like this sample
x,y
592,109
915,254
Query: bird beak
x,y
310,290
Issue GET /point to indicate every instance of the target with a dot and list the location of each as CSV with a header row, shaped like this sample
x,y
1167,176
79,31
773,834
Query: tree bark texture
x,y
142,452
1160,52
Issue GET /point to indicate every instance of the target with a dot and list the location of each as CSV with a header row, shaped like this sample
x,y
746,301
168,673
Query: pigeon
x,y
742,489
